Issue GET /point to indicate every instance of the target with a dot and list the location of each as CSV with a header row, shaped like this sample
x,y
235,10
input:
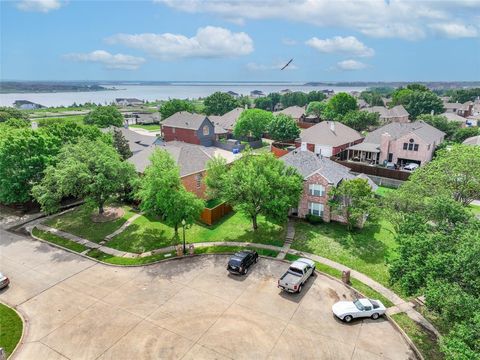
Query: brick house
x,y
464,110
191,160
320,175
189,128
328,138
399,144
395,114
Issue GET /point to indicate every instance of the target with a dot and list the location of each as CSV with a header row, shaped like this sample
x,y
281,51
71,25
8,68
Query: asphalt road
x,y
188,308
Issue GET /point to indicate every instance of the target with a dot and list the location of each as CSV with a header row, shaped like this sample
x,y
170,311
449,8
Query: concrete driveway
x,y
189,308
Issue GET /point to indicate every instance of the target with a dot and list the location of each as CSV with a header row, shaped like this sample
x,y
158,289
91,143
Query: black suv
x,y
241,261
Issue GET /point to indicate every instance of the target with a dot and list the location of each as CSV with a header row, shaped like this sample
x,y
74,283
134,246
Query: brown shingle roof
x,y
332,133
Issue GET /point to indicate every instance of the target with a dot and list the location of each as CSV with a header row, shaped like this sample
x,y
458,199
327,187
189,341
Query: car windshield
x,y
359,305
375,304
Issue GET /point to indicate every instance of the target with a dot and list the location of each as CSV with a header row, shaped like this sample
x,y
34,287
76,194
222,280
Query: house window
x,y
316,189
415,147
206,130
315,209
405,146
198,179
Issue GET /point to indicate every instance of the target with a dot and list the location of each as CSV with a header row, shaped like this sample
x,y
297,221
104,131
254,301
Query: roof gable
x,y
331,133
185,120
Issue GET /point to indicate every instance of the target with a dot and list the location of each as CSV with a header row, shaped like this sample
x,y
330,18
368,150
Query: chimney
x,y
332,126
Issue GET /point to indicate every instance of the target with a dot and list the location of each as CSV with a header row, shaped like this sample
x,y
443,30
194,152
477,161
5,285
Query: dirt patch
x,y
332,294
109,214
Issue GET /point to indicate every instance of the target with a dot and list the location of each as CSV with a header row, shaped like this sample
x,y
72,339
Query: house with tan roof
x,y
296,112
320,175
225,123
395,114
188,127
473,141
460,109
398,143
328,138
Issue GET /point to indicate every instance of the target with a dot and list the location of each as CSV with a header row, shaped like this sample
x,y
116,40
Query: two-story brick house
x,y
190,128
320,175
399,144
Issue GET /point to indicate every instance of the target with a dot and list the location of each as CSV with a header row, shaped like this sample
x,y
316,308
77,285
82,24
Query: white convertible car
x,y
360,308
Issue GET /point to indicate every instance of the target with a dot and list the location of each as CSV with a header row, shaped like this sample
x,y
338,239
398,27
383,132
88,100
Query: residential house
x,y
395,114
453,117
27,105
320,175
225,123
398,143
296,112
128,101
474,141
137,142
188,127
464,110
142,118
191,159
256,94
233,94
362,104
328,138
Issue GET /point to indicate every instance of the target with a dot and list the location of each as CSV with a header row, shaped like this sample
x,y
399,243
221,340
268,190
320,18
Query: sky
x,y
240,40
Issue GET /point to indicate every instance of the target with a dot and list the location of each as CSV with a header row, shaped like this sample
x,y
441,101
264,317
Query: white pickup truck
x,y
297,275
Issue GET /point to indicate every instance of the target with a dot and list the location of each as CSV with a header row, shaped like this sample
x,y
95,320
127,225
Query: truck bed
x,y
290,278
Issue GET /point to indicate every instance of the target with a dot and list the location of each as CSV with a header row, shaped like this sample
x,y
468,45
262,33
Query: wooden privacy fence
x,y
210,216
375,170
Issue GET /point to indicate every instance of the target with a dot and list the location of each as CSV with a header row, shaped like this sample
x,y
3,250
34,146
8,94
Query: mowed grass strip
x,y
147,233
78,222
55,239
11,327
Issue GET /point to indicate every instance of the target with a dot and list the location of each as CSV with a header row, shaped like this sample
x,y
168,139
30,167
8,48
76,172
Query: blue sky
x,y
225,40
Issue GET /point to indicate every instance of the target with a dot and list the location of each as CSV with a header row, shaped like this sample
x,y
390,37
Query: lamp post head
x,y
183,222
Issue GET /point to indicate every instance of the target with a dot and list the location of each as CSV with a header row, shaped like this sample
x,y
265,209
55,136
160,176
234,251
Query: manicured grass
x,y
233,249
99,255
356,284
73,118
149,127
10,329
59,240
148,233
425,341
78,222
382,190
365,250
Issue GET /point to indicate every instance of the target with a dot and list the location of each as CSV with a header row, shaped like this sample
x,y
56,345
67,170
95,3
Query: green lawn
x,y
233,249
10,328
147,233
45,235
78,222
73,118
382,190
425,342
149,127
365,250
99,255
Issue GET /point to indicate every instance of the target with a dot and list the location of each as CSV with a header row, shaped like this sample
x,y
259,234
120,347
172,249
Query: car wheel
x,y
300,289
245,271
375,316
348,318
256,259
313,272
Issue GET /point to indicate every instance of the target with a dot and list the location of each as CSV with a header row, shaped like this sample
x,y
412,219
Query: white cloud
x,y
209,42
349,65
338,44
39,5
253,66
110,61
404,19
455,30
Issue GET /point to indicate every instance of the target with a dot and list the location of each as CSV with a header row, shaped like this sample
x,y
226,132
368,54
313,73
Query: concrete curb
x,y
405,336
24,329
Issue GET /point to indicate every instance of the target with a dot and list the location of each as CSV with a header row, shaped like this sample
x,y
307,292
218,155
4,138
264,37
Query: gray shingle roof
x,y
396,111
307,163
474,140
396,130
227,121
294,111
137,142
184,120
323,134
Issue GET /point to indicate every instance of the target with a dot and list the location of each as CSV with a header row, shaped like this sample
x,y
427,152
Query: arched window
x,y
206,130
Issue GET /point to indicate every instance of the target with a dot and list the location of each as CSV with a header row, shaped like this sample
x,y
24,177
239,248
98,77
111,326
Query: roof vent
x,y
332,126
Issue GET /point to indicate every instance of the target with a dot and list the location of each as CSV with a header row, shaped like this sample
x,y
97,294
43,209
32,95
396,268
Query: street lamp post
x,y
184,246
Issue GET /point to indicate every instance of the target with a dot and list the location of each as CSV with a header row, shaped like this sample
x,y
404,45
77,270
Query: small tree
x,y
216,171
297,98
219,103
91,170
316,108
175,105
283,128
361,120
7,113
121,144
354,200
162,194
316,96
261,185
252,122
104,116
340,104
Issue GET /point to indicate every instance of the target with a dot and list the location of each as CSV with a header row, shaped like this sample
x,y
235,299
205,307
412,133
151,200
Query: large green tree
x,y
417,102
259,185
25,153
252,122
354,200
340,104
297,98
219,103
316,108
464,95
372,98
268,102
104,116
162,194
91,170
283,128
361,120
316,96
173,106
7,113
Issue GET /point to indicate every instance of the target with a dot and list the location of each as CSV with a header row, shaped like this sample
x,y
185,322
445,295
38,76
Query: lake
x,y
159,92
